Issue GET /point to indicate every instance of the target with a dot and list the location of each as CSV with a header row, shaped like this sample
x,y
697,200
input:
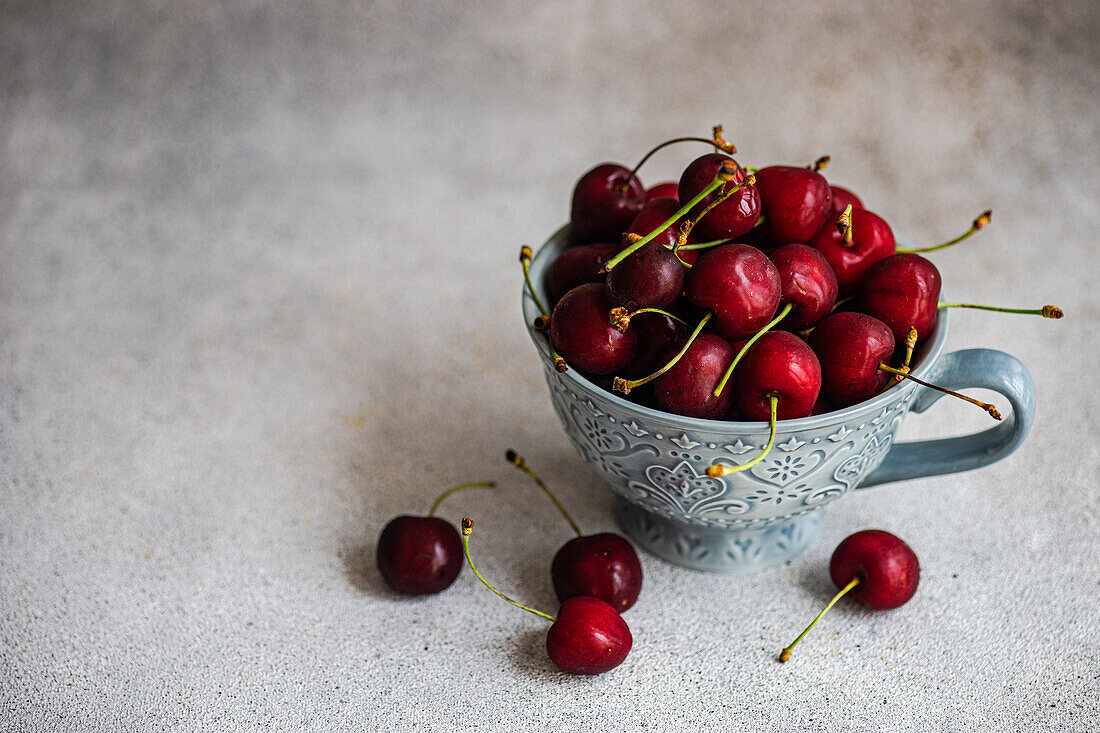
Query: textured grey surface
x,y
259,294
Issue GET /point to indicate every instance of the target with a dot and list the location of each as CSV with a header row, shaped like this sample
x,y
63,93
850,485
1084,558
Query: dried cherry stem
x,y
844,225
687,226
745,349
625,385
979,223
716,141
525,255
517,460
620,317
786,653
1047,311
910,344
984,405
725,174
820,163
460,487
720,469
467,528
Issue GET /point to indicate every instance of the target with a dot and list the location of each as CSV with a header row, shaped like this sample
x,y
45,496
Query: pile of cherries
x,y
738,294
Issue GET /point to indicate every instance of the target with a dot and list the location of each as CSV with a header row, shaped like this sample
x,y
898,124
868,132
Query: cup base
x,y
718,550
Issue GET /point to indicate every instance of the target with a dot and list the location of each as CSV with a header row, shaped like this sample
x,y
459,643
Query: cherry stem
x,y
786,653
460,487
687,226
716,142
702,245
720,469
467,528
620,317
1047,311
844,225
625,385
979,223
820,163
984,405
744,349
725,174
525,260
910,344
517,460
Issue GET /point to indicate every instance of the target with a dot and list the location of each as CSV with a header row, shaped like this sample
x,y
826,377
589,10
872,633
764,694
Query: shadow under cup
x,y
656,462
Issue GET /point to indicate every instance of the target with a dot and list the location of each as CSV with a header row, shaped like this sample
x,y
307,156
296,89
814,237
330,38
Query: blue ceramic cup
x,y
656,462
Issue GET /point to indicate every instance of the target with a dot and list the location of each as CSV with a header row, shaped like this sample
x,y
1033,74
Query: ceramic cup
x,y
656,462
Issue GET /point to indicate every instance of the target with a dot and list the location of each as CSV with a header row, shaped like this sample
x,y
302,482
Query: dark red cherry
x,y
668,188
577,266
581,331
902,290
652,277
780,364
419,555
688,387
887,568
604,204
655,213
659,338
842,197
603,566
739,284
850,346
808,282
589,637
734,216
796,201
872,239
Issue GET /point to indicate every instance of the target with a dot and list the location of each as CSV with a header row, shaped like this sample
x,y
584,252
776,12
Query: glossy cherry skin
x,y
659,338
655,213
841,198
739,284
796,201
667,188
902,290
808,282
887,568
419,555
782,364
577,266
602,207
581,331
734,216
850,346
651,277
872,240
688,387
589,637
603,566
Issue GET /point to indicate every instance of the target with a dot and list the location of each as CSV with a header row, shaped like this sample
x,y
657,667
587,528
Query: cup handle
x,y
984,368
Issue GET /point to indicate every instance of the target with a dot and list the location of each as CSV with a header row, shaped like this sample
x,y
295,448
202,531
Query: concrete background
x,y
258,294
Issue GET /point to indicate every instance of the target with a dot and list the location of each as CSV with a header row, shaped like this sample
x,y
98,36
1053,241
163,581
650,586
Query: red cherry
x,y
850,346
688,387
659,337
887,568
667,188
872,240
581,331
731,218
842,197
419,555
779,364
796,201
902,290
652,277
808,282
577,266
604,566
605,200
739,284
589,637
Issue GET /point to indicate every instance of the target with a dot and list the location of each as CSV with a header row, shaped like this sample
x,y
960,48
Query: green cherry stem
x,y
1047,311
717,142
724,175
910,344
979,223
467,528
744,349
626,385
720,469
517,460
786,653
844,225
460,487
525,255
993,412
620,317
703,245
687,226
